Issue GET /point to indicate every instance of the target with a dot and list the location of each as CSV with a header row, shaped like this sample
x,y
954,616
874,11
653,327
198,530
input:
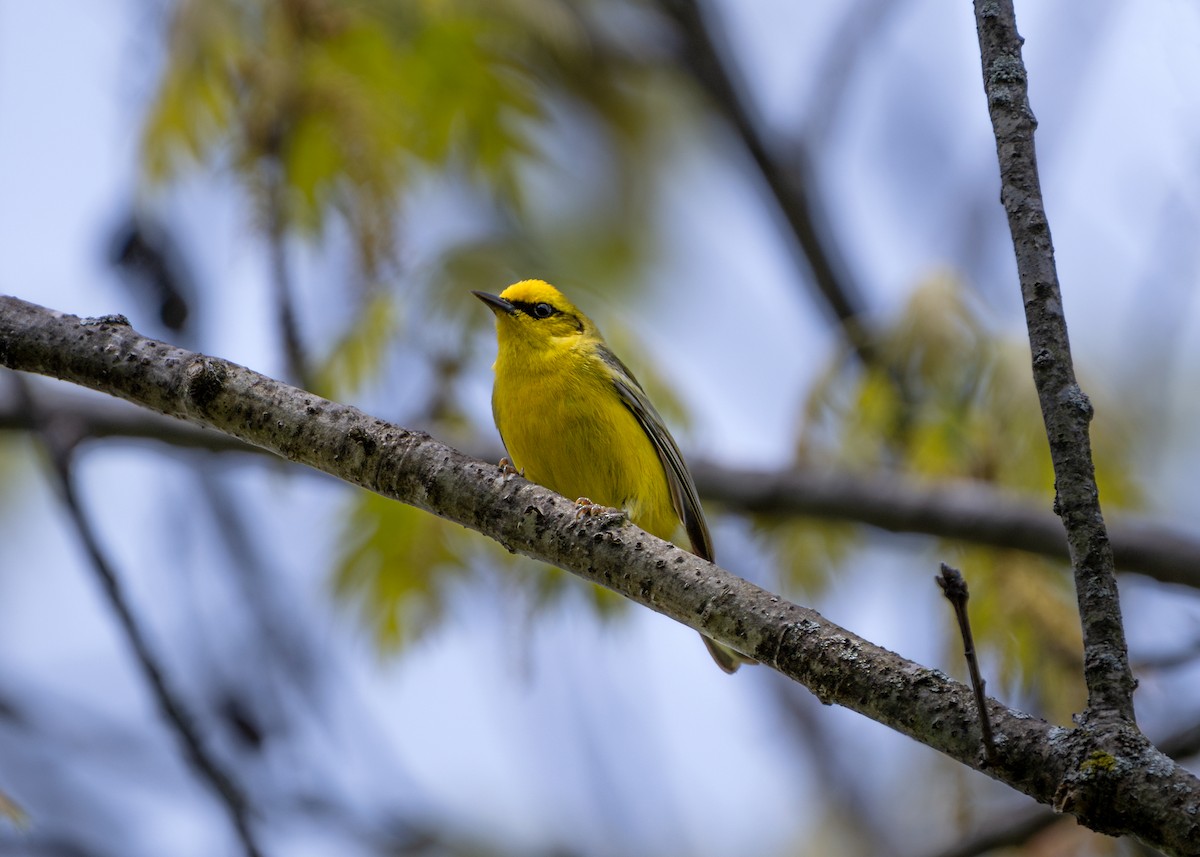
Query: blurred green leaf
x,y
348,97
949,400
809,553
358,355
12,811
396,565
550,585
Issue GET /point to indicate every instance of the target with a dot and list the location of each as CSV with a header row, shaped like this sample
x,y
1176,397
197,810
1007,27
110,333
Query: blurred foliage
x,y
344,98
353,102
950,400
397,563
12,812
358,355
541,110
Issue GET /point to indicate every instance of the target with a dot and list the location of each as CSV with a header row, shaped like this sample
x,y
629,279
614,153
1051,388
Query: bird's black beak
x,y
495,303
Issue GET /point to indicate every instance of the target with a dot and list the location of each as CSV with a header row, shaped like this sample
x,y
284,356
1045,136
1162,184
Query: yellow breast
x,y
564,424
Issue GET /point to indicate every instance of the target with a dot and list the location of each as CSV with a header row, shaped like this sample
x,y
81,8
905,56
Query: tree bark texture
x,y
1122,786
1065,409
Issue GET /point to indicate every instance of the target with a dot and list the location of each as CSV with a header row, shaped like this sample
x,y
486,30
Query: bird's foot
x,y
507,469
585,507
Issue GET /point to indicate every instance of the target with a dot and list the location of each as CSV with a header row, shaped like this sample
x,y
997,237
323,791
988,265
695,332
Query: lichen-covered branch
x,y
1124,787
1065,408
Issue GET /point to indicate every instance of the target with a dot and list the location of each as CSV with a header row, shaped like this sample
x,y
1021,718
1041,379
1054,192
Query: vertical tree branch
x,y
1065,408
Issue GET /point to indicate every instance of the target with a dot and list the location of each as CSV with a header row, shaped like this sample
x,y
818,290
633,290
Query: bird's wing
x,y
683,490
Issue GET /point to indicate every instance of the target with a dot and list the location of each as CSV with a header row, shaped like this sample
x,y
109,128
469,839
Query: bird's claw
x,y
507,469
585,507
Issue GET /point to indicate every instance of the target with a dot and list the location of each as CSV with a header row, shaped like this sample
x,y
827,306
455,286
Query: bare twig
x,y
59,448
954,587
1065,408
281,279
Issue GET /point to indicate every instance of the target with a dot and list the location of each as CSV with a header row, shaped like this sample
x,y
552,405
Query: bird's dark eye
x,y
542,310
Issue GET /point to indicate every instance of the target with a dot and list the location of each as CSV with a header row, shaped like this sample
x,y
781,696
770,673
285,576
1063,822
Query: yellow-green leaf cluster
x,y
948,399
342,99
359,354
396,565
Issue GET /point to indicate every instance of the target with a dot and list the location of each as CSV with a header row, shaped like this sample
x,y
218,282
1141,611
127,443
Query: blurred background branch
x,y
786,170
968,511
59,441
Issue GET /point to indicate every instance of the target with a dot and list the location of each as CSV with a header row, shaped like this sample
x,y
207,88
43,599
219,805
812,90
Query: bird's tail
x,y
727,659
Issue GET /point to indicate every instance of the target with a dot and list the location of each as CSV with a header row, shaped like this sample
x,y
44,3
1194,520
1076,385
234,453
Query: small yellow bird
x,y
574,419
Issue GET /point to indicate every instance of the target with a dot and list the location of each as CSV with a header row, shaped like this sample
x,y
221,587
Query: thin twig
x,y
954,586
59,449
1065,409
281,279
791,184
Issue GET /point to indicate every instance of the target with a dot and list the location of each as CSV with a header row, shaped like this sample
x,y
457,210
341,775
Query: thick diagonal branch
x,y
1065,408
1136,789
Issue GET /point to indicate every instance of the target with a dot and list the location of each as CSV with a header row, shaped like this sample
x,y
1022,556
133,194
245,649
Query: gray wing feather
x,y
684,496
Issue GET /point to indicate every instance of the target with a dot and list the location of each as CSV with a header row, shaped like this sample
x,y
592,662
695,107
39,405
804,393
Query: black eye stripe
x,y
538,310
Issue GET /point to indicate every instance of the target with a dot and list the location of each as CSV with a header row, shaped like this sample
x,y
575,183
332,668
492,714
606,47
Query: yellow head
x,y
537,315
